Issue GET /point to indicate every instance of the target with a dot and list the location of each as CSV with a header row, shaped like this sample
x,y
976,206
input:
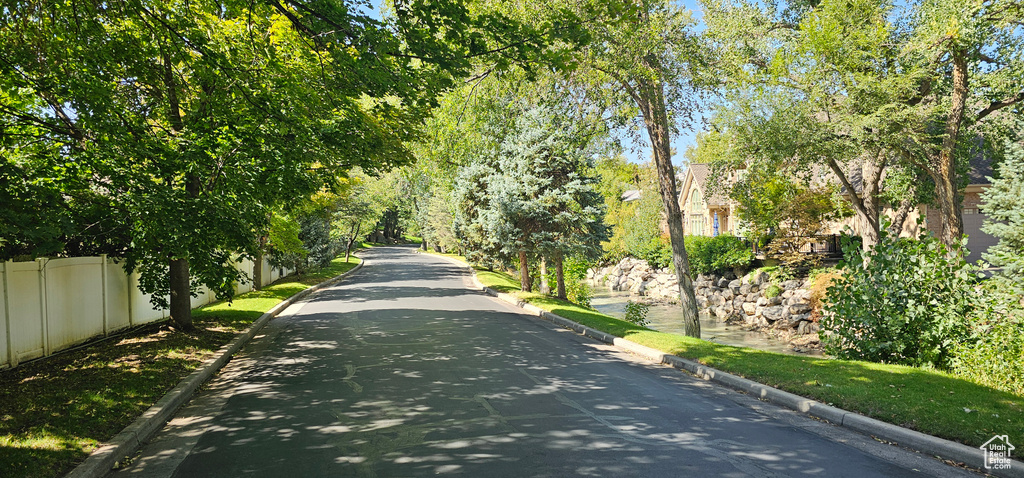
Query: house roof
x,y
631,195
981,166
701,173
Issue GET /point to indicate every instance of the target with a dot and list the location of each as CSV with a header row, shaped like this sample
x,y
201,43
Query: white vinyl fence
x,y
51,305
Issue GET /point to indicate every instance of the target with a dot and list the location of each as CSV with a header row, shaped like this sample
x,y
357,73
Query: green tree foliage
x,y
1004,205
857,86
994,354
194,119
785,214
907,302
534,197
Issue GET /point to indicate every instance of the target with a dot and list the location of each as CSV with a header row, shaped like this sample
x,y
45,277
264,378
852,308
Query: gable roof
x,y
701,174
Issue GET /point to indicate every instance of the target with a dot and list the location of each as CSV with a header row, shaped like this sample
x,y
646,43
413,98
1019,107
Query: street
x,y
404,370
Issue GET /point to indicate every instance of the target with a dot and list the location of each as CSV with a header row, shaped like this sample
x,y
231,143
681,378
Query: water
x,y
666,318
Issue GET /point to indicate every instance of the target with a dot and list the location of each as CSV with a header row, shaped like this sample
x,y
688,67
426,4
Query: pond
x,y
666,318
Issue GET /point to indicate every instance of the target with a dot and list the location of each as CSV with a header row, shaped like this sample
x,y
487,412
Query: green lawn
x,y
55,411
929,401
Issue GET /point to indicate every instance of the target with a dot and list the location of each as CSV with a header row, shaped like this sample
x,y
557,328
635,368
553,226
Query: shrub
x,y
657,252
773,290
716,254
905,302
636,313
994,353
575,275
821,280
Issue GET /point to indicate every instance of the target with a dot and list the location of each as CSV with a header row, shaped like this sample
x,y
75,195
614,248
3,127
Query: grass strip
x,y
55,411
929,401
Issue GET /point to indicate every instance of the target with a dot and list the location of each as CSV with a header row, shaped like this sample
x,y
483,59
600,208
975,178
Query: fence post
x,y
103,287
12,355
42,306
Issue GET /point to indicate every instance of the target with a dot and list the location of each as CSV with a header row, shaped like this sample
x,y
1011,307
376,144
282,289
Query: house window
x,y
970,210
696,224
696,201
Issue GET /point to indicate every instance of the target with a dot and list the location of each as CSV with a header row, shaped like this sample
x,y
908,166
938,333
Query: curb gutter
x,y
124,444
927,444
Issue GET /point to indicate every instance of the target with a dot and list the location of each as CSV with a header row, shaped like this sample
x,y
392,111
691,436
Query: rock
x,y
792,321
777,300
735,284
791,284
759,311
786,294
759,278
727,294
737,303
749,308
745,289
802,328
702,302
813,328
753,297
761,301
773,313
722,282
799,309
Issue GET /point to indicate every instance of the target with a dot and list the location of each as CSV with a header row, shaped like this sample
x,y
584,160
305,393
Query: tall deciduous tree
x,y
859,86
649,64
197,117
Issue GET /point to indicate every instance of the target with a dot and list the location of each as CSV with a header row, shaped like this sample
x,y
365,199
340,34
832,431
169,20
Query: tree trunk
x,y
650,97
524,272
560,276
257,268
944,171
544,287
181,295
866,212
900,218
871,174
351,240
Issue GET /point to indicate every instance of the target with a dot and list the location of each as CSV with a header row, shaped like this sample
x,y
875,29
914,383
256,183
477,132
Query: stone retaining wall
x,y
742,300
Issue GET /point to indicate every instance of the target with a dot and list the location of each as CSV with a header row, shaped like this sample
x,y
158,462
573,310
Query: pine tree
x,y
1004,205
532,198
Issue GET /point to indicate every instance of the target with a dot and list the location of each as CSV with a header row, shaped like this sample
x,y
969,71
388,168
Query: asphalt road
x,y
403,370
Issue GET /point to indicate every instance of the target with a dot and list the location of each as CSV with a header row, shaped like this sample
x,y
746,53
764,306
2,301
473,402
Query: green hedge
x,y
717,254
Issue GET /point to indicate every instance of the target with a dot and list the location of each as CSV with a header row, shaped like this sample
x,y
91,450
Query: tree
x,y
850,86
645,61
531,197
1004,205
563,200
197,118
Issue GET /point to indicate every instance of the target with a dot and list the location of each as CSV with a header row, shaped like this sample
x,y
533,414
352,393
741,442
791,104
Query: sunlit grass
x,y
930,401
54,412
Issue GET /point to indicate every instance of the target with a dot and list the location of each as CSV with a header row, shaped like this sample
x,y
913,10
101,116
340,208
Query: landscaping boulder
x,y
773,313
799,309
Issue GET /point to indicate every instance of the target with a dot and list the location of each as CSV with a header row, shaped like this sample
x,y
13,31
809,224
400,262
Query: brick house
x,y
701,205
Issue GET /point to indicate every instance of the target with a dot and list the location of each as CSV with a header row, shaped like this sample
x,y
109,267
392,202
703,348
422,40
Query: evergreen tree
x,y
1004,204
535,197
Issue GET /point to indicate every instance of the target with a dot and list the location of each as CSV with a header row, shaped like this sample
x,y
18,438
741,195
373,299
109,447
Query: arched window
x,y
696,201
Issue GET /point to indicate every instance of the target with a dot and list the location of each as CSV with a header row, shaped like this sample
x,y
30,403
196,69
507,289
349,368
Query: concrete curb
x,y
927,444
124,444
